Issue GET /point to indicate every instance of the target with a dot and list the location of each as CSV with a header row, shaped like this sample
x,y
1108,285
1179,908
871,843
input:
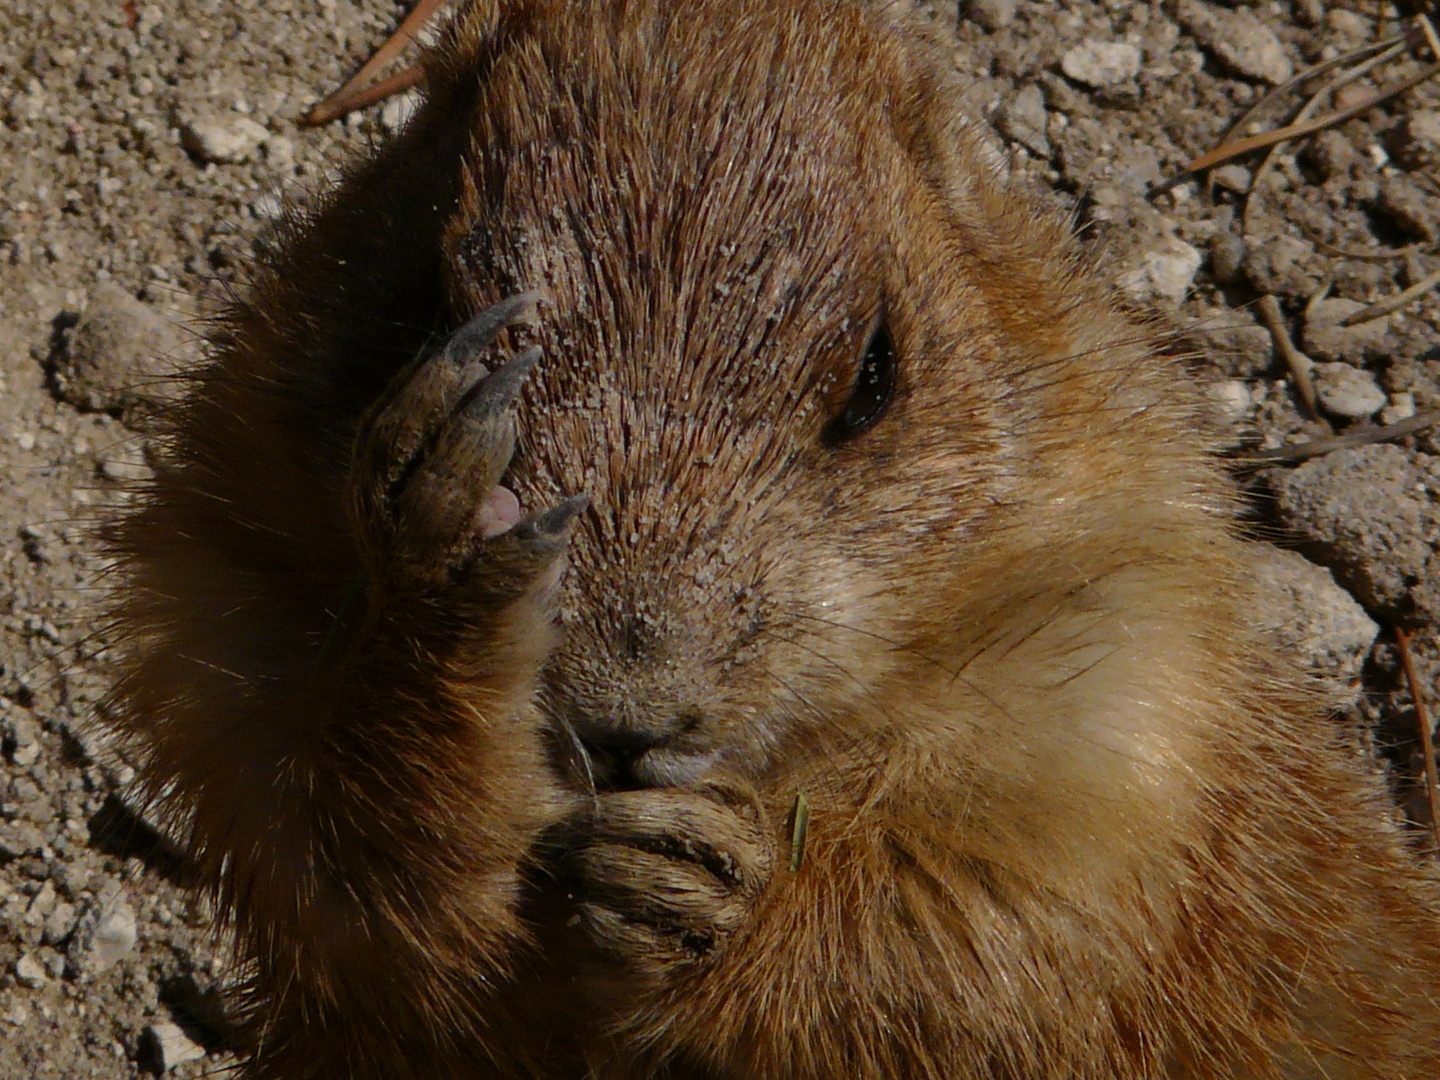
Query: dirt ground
x,y
146,148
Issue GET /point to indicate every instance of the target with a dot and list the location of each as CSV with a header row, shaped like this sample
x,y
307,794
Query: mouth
x,y
614,765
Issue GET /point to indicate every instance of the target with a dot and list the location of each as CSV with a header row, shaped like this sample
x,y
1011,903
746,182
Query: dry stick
x,y
1360,436
1298,363
1381,308
1423,21
1305,76
1422,719
337,106
1344,78
349,97
1296,131
1361,256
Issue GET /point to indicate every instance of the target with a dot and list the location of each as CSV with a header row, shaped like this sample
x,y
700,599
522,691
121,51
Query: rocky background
x,y
145,149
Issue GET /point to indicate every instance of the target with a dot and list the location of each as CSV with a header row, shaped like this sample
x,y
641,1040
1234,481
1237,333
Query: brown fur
x,y
1070,818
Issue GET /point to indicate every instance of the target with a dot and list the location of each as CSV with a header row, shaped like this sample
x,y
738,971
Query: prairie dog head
x,y
838,396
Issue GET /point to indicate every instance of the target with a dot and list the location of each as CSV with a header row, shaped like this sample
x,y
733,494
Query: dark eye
x,y
874,387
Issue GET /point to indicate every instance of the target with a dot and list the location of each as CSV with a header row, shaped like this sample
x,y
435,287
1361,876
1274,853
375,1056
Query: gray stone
x,y
116,358
105,935
167,1045
1227,256
1330,154
991,14
279,154
1363,512
1238,38
1164,271
1324,339
1348,392
1102,63
220,138
1314,618
1232,177
24,734
1415,141
125,462
29,971
41,904
1232,400
18,838
1401,407
1235,342
60,923
396,112
1411,211
1284,266
1023,119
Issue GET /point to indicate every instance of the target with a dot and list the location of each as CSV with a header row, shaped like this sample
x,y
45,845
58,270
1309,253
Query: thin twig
x,y
1422,720
1322,68
1357,436
1361,256
1381,308
358,92
1296,131
338,105
1344,78
1299,364
1423,21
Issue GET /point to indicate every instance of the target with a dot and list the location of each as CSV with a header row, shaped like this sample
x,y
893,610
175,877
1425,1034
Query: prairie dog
x,y
683,414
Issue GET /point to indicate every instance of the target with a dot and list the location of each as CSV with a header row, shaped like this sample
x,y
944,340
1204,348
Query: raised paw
x,y
664,876
427,498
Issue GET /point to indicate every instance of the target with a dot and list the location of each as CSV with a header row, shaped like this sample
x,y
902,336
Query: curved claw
x,y
424,400
549,530
496,392
481,331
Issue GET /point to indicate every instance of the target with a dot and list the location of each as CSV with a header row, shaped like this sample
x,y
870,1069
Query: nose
x,y
615,745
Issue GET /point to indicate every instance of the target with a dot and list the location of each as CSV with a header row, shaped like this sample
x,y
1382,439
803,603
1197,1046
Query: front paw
x,y
664,877
431,516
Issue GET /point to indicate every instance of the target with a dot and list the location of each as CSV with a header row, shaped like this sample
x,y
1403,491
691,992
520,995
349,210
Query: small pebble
x,y
1415,214
1102,63
396,112
1023,119
1323,338
1401,407
1358,512
125,463
1314,618
104,937
1232,177
167,1046
1238,37
1285,266
1329,155
1165,272
1415,141
990,14
1227,255
1232,398
1347,392
59,923
30,972
1236,342
221,138
117,354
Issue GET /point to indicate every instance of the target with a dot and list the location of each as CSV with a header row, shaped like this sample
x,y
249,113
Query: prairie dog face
x,y
788,324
